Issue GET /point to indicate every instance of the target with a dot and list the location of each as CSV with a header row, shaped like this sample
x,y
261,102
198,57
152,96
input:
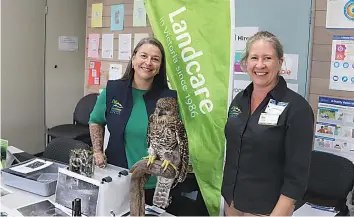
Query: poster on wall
x,y
117,17
238,86
94,73
115,71
290,66
93,45
334,131
241,35
107,46
139,13
342,63
96,15
68,43
138,37
340,14
124,46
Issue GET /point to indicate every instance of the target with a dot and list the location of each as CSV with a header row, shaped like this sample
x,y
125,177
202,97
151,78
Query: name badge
x,y
275,108
268,119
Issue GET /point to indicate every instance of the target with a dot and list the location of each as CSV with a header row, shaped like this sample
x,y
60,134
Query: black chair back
x,y
59,149
331,179
331,176
84,108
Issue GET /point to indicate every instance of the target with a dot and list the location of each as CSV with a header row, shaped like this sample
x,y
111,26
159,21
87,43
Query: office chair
x,y
79,129
331,179
59,149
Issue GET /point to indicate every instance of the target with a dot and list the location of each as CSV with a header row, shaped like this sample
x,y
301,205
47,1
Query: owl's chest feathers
x,y
163,134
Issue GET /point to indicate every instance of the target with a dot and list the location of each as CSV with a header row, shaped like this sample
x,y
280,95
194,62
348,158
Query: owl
x,y
168,143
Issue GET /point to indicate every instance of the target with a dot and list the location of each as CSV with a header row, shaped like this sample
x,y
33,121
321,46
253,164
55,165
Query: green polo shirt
x,y
135,132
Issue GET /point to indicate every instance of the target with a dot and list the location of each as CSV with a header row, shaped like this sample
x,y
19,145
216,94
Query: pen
x,y
328,209
151,210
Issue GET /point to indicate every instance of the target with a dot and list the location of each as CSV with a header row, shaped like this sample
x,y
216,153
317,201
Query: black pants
x,y
180,205
149,195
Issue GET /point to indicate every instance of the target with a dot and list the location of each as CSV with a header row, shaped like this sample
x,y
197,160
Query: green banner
x,y
196,37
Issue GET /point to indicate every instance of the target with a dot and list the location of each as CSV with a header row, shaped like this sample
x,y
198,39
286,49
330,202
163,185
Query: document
x,y
342,63
115,71
139,13
335,127
239,85
237,63
117,17
93,45
138,37
96,15
242,34
107,46
32,166
94,73
290,66
42,208
340,14
68,43
313,210
125,46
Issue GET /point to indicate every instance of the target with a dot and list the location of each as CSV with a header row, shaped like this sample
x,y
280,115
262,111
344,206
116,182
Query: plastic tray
x,y
42,182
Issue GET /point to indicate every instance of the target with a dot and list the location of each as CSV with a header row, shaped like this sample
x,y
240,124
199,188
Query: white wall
x,y
22,69
0,69
64,83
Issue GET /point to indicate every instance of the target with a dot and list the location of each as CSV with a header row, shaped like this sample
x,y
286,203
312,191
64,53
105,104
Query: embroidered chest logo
x,y
116,107
234,112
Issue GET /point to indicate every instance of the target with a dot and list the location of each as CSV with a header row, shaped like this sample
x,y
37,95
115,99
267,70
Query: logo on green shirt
x,y
116,107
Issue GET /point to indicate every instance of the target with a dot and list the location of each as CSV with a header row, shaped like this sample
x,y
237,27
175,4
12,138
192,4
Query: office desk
x,y
118,184
19,198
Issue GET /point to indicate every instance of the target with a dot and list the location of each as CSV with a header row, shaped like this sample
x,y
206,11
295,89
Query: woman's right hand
x,y
100,159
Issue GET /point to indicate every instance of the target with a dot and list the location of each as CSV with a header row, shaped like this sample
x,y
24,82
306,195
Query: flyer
x,y
340,14
94,73
342,63
334,131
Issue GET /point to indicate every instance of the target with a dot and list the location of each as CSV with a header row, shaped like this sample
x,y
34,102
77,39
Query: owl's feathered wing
x,y
182,143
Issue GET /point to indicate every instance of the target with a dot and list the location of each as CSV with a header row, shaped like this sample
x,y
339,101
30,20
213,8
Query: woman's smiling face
x,y
147,61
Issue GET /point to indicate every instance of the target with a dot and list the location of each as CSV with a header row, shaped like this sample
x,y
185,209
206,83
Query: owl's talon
x,y
165,164
150,158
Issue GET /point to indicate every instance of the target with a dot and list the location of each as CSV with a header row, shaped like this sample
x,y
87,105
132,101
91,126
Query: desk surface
x,y
19,198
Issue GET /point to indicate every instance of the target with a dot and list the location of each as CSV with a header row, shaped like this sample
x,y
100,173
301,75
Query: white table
x,y
19,198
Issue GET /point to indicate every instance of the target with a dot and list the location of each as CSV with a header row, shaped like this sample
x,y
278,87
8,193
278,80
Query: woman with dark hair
x,y
125,105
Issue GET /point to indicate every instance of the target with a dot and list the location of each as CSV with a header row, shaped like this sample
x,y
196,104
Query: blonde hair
x,y
266,36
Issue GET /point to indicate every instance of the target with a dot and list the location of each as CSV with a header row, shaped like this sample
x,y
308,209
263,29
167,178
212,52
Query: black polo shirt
x,y
265,161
